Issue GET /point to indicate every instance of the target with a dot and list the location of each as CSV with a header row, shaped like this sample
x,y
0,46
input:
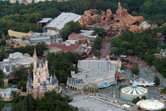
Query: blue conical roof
x,y
44,85
134,85
52,82
28,80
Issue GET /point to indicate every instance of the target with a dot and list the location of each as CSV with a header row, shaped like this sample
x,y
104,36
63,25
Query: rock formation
x,y
120,21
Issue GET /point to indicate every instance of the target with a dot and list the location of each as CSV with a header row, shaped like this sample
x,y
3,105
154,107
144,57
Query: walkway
x,y
105,50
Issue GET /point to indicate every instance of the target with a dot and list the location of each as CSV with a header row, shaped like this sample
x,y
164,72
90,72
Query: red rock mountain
x,y
119,21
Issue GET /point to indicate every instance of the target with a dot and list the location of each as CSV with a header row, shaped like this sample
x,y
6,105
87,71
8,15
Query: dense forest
x,y
23,18
50,102
144,45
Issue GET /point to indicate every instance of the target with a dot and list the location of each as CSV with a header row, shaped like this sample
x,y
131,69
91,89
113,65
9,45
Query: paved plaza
x,y
145,73
89,103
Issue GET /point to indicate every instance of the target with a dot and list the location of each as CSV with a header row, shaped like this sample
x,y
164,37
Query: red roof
x,y
63,46
129,66
119,75
75,35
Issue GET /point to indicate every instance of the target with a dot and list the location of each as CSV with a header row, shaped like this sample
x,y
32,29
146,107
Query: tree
x,y
41,47
135,70
96,53
1,77
54,102
1,104
143,97
97,43
149,58
62,64
1,74
157,80
123,67
27,103
100,31
135,100
69,28
20,73
114,50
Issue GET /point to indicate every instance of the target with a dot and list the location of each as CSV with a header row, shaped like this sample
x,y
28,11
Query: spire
x,y
34,54
52,82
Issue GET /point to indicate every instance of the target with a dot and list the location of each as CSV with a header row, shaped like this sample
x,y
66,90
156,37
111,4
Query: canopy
x,y
151,105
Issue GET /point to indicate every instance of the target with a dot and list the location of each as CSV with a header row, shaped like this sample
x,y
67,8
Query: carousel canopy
x,y
151,105
134,90
144,82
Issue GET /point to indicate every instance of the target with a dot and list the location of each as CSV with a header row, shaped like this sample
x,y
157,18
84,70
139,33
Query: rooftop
x,y
33,40
88,33
45,20
101,70
144,82
63,46
75,35
152,105
62,19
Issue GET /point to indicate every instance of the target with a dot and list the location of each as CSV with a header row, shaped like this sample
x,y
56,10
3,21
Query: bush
x,y
121,86
163,91
97,53
143,97
156,80
100,31
135,100
123,67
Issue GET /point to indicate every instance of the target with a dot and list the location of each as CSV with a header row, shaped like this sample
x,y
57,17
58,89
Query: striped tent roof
x,y
134,90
